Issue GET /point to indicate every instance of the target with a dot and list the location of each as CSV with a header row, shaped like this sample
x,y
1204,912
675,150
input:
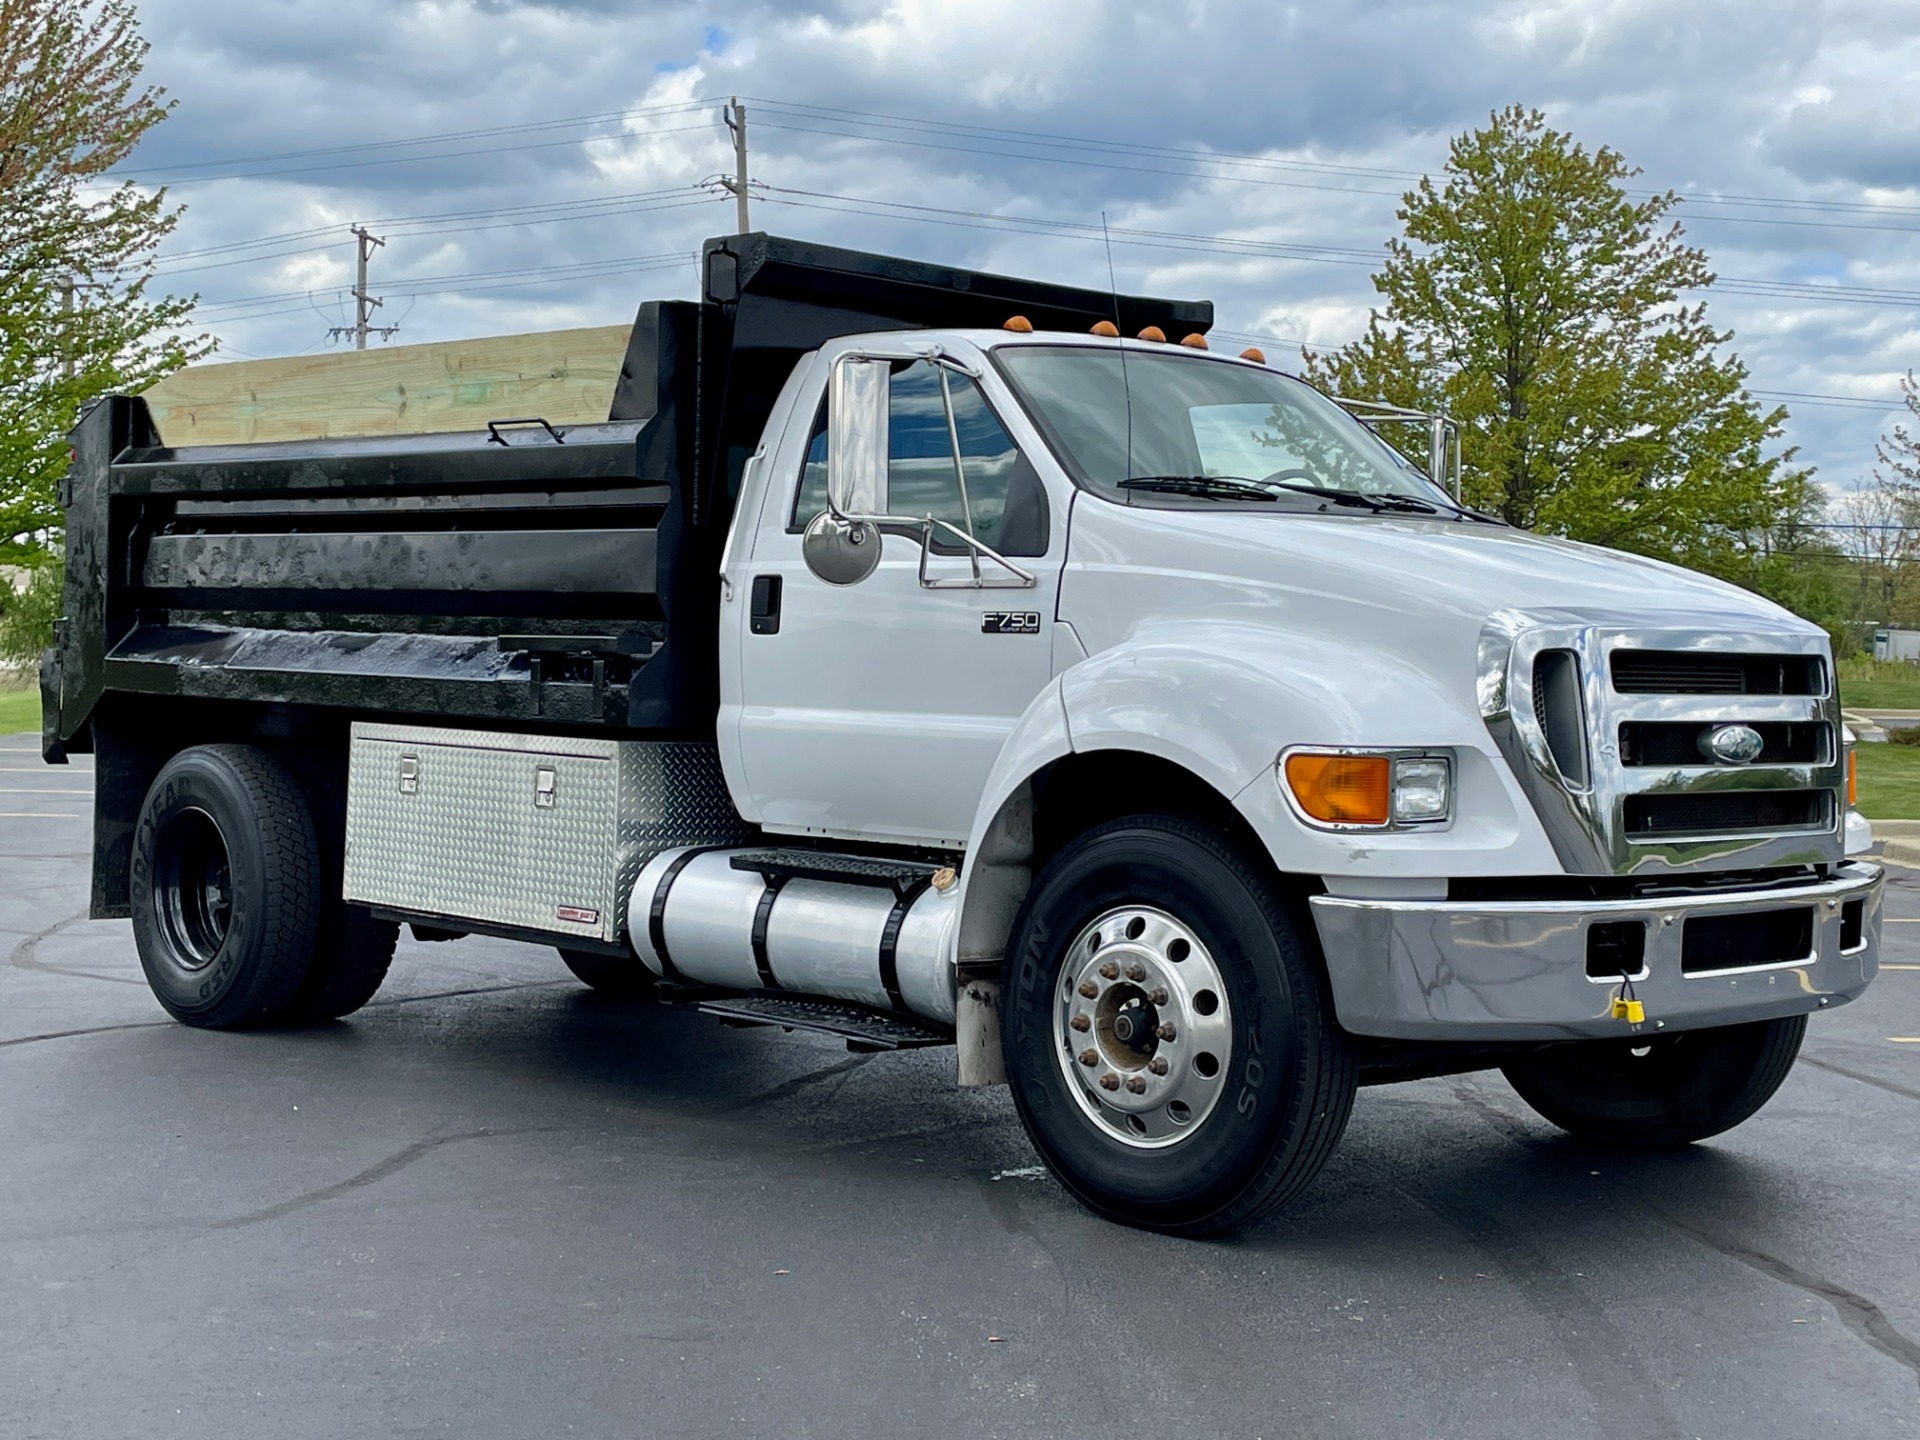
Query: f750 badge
x,y
1010,622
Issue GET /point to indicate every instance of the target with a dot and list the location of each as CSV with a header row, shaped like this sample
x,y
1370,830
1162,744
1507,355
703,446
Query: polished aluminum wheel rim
x,y
1142,1026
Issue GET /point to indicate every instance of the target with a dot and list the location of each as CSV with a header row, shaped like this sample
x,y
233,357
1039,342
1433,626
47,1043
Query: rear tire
x,y
350,961
625,979
1678,1089
1236,1096
226,885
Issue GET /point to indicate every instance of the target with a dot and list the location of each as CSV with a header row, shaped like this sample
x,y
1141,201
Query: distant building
x,y
1897,645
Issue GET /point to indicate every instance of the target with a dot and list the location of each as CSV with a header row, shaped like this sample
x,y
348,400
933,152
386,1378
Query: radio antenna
x,y
1126,387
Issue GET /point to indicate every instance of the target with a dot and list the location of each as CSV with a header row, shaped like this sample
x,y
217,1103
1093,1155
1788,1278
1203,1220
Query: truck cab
x,y
1119,711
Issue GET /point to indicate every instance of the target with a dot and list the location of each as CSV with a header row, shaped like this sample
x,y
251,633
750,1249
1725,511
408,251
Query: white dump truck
x,y
928,657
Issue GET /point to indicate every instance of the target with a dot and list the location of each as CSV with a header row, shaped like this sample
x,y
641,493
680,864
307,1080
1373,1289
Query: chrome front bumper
x,y
1517,970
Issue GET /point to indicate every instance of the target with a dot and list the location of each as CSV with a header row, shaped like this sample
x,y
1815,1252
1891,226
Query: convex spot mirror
x,y
842,544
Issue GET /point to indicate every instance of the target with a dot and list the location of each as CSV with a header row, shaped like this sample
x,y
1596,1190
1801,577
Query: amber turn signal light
x,y
1341,789
1853,778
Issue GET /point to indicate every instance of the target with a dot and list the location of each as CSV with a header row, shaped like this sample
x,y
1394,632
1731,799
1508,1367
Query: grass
x,y
1889,782
1879,684
19,710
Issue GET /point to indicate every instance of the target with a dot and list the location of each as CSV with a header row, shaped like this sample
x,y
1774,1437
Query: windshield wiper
x,y
1211,487
1375,503
1236,487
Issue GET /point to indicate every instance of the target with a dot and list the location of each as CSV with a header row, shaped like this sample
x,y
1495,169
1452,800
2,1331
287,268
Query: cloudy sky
x,y
537,166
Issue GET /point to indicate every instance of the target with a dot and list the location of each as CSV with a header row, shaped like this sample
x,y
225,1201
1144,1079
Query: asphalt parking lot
x,y
494,1204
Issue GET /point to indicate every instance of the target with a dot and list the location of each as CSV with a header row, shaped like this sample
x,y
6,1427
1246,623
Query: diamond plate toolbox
x,y
531,832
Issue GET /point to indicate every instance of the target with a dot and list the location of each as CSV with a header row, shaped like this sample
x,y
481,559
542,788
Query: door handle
x,y
763,616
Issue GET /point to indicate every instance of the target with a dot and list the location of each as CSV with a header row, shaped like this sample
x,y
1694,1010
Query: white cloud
x,y
1716,98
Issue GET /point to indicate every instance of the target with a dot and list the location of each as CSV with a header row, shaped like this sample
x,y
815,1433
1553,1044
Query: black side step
x,y
861,1028
899,876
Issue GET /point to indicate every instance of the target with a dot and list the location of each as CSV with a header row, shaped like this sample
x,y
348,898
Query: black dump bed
x,y
517,577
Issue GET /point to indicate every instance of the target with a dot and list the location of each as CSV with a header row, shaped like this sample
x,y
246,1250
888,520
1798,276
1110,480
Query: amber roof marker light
x,y
1018,324
1255,354
1195,341
1155,334
1106,329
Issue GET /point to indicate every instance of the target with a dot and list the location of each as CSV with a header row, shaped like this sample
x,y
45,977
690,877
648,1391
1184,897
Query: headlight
x,y
1369,789
1422,789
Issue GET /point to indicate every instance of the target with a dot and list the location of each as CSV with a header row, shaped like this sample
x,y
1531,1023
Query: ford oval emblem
x,y
1732,744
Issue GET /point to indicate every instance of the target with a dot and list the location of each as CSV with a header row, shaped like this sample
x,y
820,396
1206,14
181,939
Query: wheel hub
x,y
1143,1027
193,888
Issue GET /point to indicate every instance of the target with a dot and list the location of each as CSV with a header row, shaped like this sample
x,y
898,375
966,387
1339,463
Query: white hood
x,y
1403,567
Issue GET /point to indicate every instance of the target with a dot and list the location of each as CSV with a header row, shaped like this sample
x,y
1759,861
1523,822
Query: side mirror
x,y
859,400
842,544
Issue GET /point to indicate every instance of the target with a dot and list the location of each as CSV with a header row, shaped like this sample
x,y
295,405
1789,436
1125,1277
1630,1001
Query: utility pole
x,y
737,186
363,304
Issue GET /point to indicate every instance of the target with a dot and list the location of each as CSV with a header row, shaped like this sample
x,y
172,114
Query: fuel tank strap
x,y
657,911
762,915
890,941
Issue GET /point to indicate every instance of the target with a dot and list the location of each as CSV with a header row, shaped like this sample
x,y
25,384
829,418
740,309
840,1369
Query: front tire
x,y
226,885
1660,1091
1168,1031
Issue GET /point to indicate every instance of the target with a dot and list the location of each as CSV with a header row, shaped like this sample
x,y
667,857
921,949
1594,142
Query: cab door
x,y
877,710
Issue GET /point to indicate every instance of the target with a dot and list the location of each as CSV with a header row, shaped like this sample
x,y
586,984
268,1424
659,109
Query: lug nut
x,y
1109,971
1136,972
1157,997
1089,1058
1089,989
1165,1032
1081,1023
1109,1081
1157,1065
1136,1084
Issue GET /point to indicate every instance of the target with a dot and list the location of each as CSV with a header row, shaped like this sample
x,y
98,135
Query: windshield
x,y
1195,421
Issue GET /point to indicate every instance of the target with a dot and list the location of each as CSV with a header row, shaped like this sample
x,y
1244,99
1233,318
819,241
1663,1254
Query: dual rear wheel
x,y
236,913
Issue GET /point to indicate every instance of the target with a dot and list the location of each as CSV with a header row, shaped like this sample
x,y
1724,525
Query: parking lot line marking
x,y
1903,1039
38,790
1885,965
37,815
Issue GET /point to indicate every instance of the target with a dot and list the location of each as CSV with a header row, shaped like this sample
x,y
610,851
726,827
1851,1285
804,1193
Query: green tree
x,y
76,249
1898,451
1539,303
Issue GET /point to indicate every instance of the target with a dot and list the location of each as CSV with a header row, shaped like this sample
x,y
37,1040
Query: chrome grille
x,y
1680,672
1682,742
1718,811
1632,792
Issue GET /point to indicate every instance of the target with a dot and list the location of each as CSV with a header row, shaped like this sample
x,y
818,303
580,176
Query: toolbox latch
x,y
544,780
409,774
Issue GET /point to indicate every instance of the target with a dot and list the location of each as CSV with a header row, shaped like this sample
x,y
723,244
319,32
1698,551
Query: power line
x,y
533,279
611,117
394,222
1045,139
1862,402
504,224
409,284
1230,245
